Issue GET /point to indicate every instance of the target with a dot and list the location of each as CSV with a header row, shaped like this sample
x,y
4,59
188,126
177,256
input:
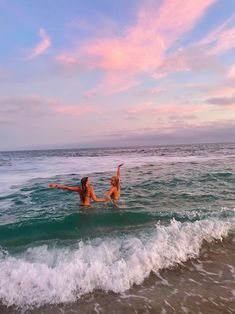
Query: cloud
x,y
41,47
152,91
223,131
4,120
225,42
151,108
189,59
90,94
67,59
77,111
222,39
218,90
231,73
142,46
181,119
175,19
106,26
222,101
31,106
114,83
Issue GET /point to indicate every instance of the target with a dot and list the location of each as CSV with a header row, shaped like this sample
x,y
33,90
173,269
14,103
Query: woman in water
x,y
114,191
86,192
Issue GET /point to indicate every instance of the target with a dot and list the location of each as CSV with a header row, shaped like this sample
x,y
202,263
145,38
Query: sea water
x,y
168,248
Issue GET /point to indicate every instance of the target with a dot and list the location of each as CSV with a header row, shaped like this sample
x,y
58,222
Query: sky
x,y
76,73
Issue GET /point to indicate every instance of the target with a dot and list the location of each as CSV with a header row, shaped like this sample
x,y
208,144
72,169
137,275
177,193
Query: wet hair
x,y
84,188
114,178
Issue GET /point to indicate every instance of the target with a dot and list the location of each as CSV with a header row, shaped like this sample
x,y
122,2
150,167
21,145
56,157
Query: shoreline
x,y
197,285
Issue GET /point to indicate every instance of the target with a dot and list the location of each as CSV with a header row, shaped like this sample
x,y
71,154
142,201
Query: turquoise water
x,y
48,244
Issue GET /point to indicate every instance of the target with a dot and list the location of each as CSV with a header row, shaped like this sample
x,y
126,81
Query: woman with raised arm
x,y
114,191
86,192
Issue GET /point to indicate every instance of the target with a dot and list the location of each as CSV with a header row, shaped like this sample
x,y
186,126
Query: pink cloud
x,y
125,54
106,25
36,107
225,41
142,47
67,59
114,83
4,120
222,39
176,18
219,90
153,91
90,94
226,89
76,111
29,106
189,59
231,73
179,62
166,109
44,44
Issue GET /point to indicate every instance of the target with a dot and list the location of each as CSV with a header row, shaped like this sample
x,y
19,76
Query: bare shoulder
x,y
90,190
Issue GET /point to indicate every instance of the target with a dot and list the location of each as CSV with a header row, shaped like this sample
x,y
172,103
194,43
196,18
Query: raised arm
x,y
118,171
65,187
96,199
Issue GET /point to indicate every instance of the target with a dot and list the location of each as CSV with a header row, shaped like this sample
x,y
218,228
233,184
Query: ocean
x,y
168,248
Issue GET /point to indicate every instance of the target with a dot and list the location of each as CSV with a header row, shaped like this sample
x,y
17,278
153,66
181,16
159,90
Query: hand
x,y
106,200
53,186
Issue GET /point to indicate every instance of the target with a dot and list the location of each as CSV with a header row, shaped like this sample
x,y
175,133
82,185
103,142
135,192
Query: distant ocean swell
x,y
47,274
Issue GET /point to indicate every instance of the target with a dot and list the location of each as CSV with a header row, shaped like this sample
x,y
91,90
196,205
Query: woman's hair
x,y
84,188
114,178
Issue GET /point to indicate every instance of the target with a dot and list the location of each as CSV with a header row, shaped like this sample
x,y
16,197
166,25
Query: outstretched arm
x,y
65,187
96,199
118,171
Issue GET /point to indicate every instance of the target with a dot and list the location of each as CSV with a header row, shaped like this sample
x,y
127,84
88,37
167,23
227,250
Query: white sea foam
x,y
42,275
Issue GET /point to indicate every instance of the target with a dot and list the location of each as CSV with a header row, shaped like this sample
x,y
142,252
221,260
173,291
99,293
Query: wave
x,y
49,275
96,223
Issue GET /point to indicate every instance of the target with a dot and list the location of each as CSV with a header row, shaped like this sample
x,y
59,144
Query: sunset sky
x,y
76,73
